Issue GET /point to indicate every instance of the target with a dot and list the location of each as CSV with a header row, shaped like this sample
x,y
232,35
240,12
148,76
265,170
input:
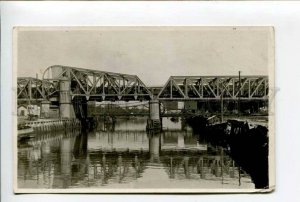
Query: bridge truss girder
x,y
97,85
29,90
203,88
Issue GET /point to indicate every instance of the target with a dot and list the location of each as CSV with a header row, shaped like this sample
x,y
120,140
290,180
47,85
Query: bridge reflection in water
x,y
122,154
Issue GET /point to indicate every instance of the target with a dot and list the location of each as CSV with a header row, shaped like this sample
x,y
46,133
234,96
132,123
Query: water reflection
x,y
121,154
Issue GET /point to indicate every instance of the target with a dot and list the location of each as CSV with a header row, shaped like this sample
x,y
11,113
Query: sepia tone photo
x,y
144,109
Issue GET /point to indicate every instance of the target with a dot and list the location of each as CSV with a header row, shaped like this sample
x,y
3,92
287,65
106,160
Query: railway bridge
x,y
71,87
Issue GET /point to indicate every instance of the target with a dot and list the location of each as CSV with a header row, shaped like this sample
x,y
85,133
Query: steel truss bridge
x,y
215,88
30,89
108,86
98,85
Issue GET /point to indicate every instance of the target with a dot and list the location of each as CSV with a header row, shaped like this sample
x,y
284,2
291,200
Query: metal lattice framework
x,y
100,85
215,87
155,90
29,89
96,85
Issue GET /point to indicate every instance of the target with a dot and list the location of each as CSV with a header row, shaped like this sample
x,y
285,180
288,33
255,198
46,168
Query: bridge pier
x,y
154,121
180,140
45,109
66,109
154,147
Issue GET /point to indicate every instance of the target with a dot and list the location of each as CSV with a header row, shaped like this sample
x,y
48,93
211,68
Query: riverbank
x,y
247,143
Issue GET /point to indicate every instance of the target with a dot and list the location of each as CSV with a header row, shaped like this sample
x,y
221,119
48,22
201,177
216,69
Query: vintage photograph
x,y
182,109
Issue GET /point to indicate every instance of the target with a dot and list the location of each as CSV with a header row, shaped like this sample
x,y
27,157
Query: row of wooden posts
x,y
54,125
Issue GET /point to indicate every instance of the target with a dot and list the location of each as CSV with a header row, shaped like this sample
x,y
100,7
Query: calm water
x,y
123,155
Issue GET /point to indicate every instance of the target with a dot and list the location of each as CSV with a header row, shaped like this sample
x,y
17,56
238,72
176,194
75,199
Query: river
x,y
123,155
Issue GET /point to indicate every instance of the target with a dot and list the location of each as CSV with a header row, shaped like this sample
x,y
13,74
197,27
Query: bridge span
x,y
203,88
98,85
71,87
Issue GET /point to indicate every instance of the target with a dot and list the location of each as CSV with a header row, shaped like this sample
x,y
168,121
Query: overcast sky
x,y
152,53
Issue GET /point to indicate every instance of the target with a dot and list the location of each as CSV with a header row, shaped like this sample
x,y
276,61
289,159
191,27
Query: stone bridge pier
x,y
154,120
66,109
154,147
45,108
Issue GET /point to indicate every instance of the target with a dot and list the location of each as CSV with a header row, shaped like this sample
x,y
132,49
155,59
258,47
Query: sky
x,y
152,53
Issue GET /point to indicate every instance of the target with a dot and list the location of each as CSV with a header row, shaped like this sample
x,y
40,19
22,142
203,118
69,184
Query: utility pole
x,y
36,84
222,163
222,110
239,176
239,95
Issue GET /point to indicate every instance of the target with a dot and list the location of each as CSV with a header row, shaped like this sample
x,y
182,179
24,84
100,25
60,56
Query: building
x,y
22,110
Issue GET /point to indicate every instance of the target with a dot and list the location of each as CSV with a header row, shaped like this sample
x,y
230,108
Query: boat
x,y
24,132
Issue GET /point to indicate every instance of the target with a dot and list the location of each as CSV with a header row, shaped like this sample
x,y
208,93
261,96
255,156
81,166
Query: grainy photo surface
x,y
144,109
